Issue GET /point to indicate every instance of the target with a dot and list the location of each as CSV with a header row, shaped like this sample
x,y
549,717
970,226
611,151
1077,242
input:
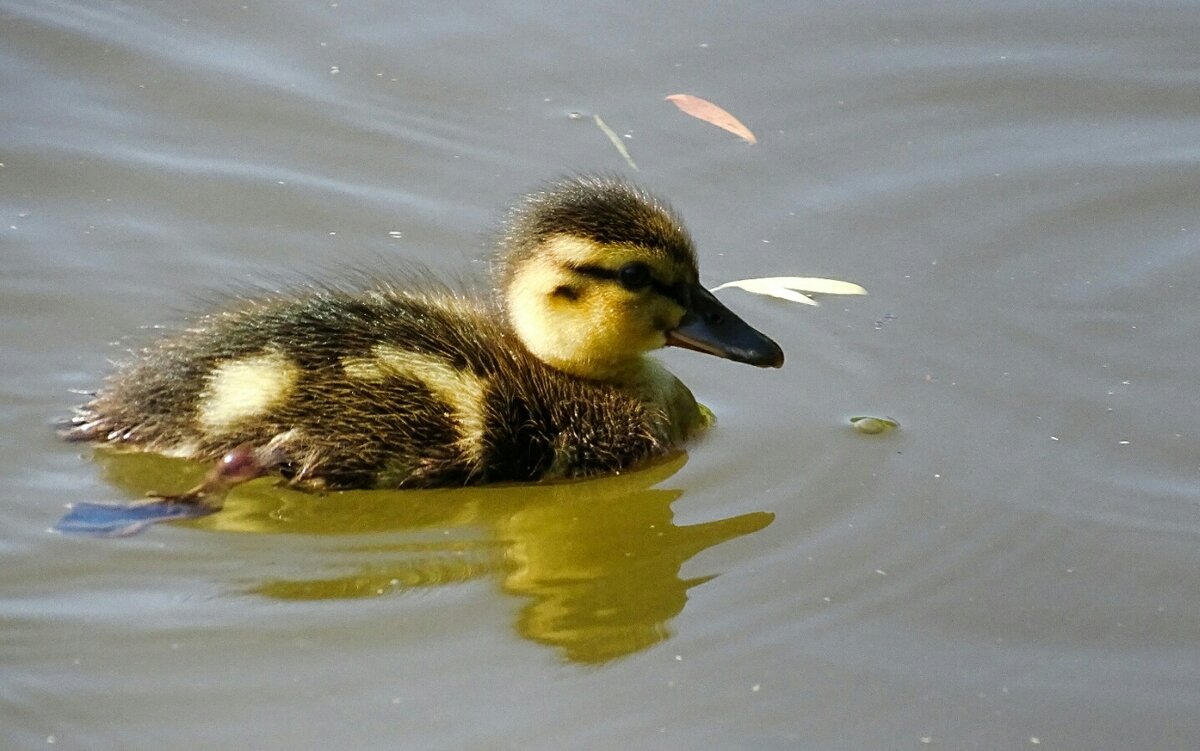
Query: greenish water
x,y
1015,184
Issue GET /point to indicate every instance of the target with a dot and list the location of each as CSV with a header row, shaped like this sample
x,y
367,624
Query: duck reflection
x,y
599,561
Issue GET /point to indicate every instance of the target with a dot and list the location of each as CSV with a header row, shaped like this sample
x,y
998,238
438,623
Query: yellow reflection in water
x,y
599,561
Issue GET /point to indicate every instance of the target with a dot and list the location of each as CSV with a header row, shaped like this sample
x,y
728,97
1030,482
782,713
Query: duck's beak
x,y
711,327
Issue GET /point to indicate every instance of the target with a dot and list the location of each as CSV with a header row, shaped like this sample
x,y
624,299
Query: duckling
x,y
383,386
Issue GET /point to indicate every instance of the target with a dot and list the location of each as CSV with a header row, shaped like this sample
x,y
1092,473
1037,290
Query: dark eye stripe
x,y
676,292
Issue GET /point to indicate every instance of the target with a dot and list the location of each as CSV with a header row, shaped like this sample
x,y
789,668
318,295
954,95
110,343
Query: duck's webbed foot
x,y
242,464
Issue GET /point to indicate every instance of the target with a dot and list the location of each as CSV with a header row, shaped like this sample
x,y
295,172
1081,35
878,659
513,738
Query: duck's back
x,y
372,389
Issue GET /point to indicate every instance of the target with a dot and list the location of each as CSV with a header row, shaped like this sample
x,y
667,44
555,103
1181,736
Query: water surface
x,y
1016,185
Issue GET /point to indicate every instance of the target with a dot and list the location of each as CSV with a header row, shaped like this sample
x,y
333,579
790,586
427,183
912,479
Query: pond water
x,y
1016,184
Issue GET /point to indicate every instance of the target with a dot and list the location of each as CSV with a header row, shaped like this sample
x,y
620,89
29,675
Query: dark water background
x,y
1015,183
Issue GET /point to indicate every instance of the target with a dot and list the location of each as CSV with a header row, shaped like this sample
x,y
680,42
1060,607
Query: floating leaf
x,y
791,287
616,141
702,109
873,425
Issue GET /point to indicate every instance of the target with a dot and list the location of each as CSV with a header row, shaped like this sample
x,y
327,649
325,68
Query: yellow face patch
x,y
461,391
241,389
589,326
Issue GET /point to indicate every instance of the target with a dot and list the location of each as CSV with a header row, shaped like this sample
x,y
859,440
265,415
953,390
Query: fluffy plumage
x,y
382,386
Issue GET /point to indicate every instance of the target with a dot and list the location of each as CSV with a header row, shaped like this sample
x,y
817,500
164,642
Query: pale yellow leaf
x,y
815,284
791,287
702,109
767,287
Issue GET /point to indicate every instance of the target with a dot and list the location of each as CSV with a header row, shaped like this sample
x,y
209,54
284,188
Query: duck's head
x,y
597,273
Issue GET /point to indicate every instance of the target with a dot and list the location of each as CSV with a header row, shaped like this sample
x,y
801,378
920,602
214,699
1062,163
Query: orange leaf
x,y
705,110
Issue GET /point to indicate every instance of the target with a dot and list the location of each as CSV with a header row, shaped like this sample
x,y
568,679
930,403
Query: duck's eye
x,y
634,276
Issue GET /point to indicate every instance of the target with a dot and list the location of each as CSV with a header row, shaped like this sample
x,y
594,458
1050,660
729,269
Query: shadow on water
x,y
599,561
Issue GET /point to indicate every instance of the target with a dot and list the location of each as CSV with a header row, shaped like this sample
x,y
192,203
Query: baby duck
x,y
384,387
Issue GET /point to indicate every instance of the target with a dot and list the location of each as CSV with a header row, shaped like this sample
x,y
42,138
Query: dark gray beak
x,y
711,327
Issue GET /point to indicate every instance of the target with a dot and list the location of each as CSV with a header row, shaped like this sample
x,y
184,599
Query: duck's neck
x,y
626,372
656,385
653,385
